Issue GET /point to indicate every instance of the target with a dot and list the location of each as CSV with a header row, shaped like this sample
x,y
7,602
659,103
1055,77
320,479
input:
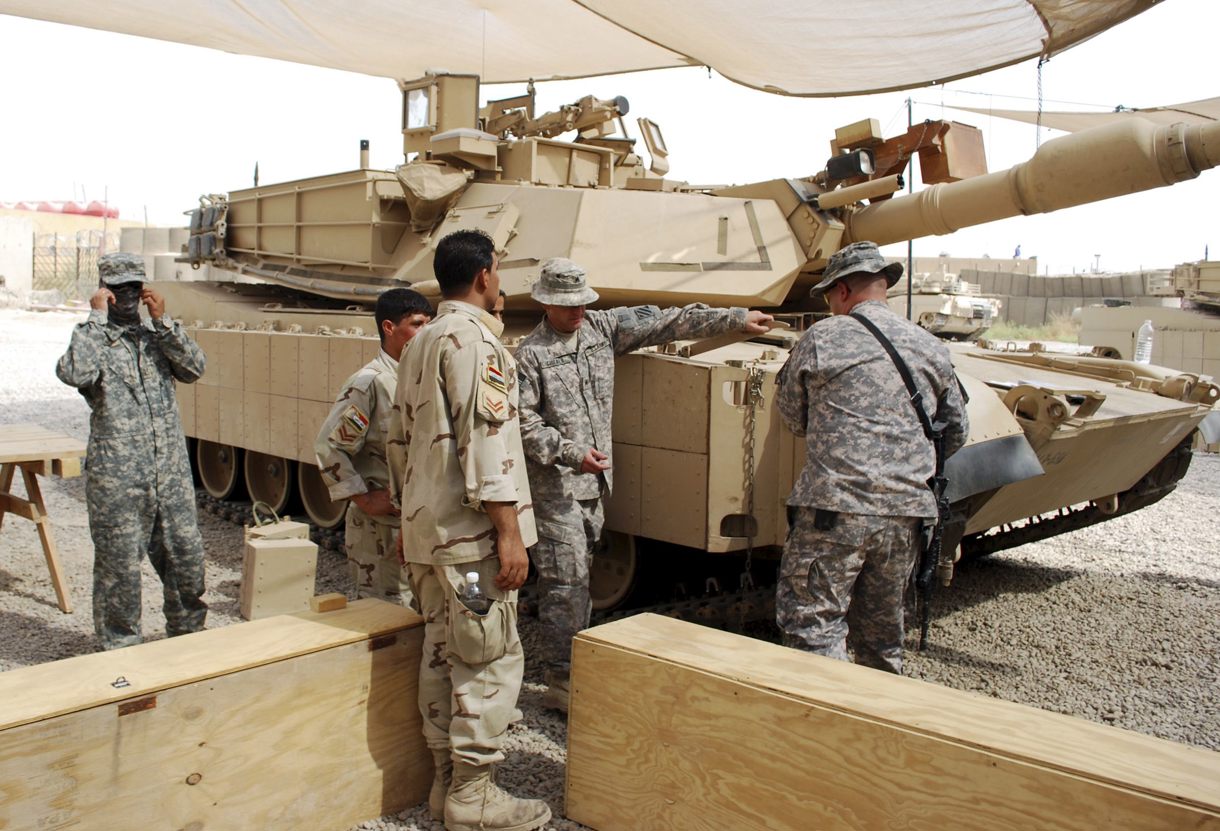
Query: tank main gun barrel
x,y
1113,160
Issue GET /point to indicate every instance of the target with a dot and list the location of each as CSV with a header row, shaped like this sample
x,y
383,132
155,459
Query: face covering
x,y
125,311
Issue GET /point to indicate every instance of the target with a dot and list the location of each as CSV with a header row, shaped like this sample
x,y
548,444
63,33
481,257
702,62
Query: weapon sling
x,y
931,553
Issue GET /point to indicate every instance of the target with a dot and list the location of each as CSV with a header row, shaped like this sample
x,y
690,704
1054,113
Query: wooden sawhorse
x,y
37,451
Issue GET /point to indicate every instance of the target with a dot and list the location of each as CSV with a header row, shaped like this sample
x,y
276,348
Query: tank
x,y
284,276
945,305
1198,284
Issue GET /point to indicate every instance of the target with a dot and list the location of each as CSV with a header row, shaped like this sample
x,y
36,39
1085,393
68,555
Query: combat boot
x,y
476,803
556,695
442,763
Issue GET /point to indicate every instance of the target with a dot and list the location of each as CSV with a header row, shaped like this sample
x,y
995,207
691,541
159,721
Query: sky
x,y
153,125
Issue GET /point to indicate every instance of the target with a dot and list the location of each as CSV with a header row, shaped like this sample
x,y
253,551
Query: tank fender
x,y
997,453
987,465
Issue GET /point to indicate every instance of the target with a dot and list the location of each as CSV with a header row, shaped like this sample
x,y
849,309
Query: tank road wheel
x,y
315,498
219,468
615,568
269,479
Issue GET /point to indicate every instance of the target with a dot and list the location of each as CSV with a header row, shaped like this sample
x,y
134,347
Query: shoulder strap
x,y
905,372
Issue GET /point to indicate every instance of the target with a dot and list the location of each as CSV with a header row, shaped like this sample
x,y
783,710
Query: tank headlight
x,y
851,165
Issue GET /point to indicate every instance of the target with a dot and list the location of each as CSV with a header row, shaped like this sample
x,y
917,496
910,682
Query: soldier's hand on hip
x,y
154,301
756,322
594,461
402,557
376,503
101,299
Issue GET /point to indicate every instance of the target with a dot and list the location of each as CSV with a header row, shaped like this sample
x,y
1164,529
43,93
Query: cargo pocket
x,y
475,638
554,554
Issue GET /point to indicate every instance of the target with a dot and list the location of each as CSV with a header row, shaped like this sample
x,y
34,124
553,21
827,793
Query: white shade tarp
x,y
1190,112
794,47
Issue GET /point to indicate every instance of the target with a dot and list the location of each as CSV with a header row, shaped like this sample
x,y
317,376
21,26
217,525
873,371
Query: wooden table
x,y
37,451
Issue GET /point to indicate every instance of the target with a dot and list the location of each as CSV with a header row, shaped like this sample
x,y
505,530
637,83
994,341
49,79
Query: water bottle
x,y
472,595
1143,344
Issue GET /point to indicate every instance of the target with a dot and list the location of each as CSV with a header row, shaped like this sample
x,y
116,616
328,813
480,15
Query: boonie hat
x,y
857,258
562,283
120,268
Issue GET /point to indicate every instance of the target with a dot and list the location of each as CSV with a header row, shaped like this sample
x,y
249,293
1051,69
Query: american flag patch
x,y
496,378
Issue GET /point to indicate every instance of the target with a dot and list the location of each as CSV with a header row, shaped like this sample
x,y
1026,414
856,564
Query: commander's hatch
x,y
436,104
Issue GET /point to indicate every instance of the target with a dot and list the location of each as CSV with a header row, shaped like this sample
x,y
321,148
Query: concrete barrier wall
x,y
1032,300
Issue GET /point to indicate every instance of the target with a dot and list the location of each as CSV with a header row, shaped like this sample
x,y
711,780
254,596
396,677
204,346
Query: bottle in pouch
x,y
472,595
1143,344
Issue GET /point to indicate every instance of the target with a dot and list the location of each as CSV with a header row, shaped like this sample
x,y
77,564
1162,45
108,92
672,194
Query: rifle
x,y
932,558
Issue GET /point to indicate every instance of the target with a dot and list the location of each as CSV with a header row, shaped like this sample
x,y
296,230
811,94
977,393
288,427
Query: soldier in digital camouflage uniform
x,y
138,485
351,451
466,506
566,370
860,502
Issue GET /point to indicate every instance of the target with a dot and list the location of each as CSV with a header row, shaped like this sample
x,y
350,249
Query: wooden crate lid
x,y
1123,758
30,694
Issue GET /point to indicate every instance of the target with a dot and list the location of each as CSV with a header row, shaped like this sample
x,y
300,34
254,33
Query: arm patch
x,y
353,424
492,395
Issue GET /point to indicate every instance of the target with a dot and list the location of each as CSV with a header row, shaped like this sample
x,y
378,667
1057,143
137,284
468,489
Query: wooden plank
x,y
66,468
49,551
6,482
21,430
696,728
38,692
10,504
321,740
34,448
25,429
329,602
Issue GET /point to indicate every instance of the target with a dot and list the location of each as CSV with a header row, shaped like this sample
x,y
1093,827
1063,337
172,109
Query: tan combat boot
x,y
476,803
556,695
443,774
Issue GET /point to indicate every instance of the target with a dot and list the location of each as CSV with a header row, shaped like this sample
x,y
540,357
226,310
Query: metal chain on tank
x,y
753,402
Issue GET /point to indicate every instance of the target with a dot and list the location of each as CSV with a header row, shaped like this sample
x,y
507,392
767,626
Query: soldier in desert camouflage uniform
x,y
138,485
351,451
566,367
860,503
465,503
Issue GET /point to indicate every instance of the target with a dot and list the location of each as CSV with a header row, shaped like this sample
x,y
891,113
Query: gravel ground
x,y
1115,623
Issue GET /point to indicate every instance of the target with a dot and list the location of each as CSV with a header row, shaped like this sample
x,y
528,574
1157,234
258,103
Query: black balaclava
x,y
125,310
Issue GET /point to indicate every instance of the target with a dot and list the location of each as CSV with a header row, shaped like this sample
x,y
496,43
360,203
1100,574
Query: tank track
x,y
732,610
1154,486
238,512
729,610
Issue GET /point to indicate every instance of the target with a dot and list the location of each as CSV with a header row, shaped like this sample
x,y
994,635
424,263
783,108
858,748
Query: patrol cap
x,y
857,258
562,283
120,268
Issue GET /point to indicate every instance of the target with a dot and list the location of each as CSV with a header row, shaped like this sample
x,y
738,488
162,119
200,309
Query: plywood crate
x,y
677,726
296,722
